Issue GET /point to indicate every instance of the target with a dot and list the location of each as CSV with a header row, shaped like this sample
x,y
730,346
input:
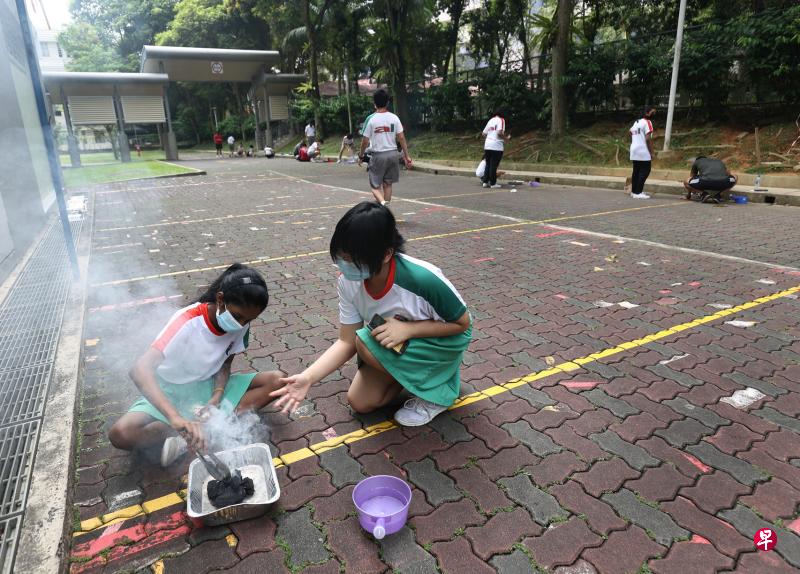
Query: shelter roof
x,y
207,64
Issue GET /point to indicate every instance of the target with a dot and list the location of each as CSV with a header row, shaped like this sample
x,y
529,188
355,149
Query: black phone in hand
x,y
377,321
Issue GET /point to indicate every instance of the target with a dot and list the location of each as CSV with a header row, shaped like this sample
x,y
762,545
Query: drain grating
x,y
9,535
17,443
22,393
32,313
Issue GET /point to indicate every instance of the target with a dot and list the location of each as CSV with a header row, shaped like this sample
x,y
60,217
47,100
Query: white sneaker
x,y
485,185
497,186
174,448
642,195
417,412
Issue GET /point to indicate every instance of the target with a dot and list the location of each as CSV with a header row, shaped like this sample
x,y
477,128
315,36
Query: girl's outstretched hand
x,y
292,393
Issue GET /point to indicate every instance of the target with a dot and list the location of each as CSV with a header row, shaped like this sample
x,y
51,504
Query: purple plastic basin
x,y
382,502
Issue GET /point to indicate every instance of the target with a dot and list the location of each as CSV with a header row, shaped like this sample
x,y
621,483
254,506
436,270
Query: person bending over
x,y
708,180
403,320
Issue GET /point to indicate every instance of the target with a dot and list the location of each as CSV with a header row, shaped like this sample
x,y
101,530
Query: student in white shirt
x,y
311,132
313,150
347,143
382,132
187,369
231,142
495,132
402,319
641,152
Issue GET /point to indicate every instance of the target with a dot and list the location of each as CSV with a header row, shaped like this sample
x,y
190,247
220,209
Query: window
x,y
45,49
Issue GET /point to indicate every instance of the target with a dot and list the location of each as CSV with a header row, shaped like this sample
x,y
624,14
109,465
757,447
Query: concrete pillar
x,y
170,142
259,134
268,119
72,141
122,138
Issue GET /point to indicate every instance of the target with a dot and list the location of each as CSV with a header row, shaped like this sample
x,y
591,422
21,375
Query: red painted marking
x,y
697,539
580,384
703,468
667,301
483,259
109,539
561,296
174,520
560,232
148,543
694,284
794,525
665,291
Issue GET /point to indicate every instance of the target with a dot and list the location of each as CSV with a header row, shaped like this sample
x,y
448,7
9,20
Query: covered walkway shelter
x,y
91,98
268,92
97,98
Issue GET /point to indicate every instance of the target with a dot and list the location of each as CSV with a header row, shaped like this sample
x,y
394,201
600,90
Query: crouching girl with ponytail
x,y
188,368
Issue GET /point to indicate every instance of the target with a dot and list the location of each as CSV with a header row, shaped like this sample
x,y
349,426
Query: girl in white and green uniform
x,y
400,315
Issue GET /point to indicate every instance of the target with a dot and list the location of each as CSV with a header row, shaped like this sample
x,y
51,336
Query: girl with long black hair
x,y
188,368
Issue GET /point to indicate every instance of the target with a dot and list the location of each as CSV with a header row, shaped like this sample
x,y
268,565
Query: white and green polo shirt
x,y
415,290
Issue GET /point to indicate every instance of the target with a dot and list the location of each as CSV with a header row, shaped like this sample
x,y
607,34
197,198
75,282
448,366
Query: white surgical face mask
x,y
227,322
351,271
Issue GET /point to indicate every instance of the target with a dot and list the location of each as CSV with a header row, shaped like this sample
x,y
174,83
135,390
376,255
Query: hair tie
x,y
246,280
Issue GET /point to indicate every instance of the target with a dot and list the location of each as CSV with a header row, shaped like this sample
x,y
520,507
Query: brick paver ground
x,y
638,460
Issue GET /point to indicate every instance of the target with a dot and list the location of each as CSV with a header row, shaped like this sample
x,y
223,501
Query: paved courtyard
x,y
629,403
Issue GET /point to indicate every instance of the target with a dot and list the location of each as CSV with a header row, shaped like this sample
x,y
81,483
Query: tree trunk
x,y
558,124
396,16
455,18
313,65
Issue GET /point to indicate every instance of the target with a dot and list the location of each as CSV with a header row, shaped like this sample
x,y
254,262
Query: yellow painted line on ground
x,y
423,238
225,217
376,429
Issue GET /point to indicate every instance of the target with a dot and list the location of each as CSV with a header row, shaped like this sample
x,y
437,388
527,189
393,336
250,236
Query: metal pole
x,y
673,88
216,123
347,94
47,132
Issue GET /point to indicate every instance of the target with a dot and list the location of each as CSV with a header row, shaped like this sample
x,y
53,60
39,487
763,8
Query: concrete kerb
x,y
45,536
778,196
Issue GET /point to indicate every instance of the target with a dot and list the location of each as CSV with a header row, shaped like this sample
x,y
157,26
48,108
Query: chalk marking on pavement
x,y
423,238
225,217
171,186
566,367
713,254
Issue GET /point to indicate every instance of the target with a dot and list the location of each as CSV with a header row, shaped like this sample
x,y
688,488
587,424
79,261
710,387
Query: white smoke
x,y
225,431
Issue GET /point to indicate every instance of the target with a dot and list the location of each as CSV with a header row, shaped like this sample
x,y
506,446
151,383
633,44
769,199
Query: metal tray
x,y
254,461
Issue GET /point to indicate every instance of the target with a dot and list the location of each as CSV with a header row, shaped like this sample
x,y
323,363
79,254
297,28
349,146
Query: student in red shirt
x,y
218,143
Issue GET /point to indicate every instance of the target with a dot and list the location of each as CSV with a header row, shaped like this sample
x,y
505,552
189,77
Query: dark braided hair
x,y
241,285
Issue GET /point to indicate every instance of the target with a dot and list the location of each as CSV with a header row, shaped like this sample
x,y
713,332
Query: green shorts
x,y
186,398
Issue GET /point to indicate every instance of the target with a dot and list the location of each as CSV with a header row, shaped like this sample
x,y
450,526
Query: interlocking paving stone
x,y
272,562
556,468
715,491
357,552
705,416
637,427
688,556
673,375
684,432
580,567
561,544
722,535
605,476
405,556
344,469
442,523
734,438
617,406
742,471
624,551
494,437
501,532
765,387
543,507
212,555
456,556
485,492
782,445
764,562
634,455
762,459
306,542
515,563
535,397
780,419
592,421
599,515
300,491
451,430
660,483
773,500
583,447
662,527
539,443
254,535
438,487
507,462
748,523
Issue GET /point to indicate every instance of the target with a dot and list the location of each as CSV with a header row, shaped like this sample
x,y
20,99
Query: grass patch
x,y
91,175
108,157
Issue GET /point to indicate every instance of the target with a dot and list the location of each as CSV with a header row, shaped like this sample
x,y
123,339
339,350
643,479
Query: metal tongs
x,y
215,467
